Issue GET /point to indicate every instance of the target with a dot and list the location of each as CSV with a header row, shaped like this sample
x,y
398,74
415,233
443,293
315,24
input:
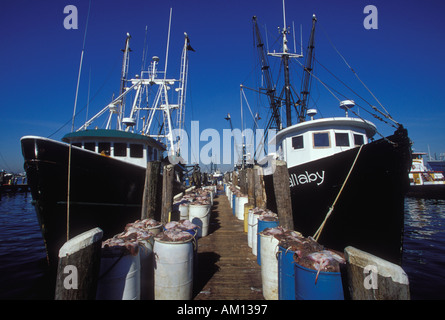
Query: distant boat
x,y
437,164
424,181
336,169
107,166
11,182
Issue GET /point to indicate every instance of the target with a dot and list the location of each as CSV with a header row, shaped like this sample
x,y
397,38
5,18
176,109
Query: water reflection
x,y
424,247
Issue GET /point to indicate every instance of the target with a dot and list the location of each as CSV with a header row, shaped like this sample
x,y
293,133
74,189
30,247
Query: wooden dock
x,y
227,269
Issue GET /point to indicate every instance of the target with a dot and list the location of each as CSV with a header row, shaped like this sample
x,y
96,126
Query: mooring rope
x,y
331,209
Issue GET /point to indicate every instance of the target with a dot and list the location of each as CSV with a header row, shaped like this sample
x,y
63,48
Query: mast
x,y
285,58
270,88
307,74
285,55
124,74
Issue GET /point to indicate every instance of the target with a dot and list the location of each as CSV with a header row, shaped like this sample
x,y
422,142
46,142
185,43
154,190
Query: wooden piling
x,y
167,192
234,178
149,199
243,181
250,178
259,191
372,278
78,268
282,194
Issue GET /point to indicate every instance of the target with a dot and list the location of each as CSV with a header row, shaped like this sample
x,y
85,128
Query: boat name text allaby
x,y
295,180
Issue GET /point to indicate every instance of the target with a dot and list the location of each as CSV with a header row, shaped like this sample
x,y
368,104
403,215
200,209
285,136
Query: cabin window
x,y
321,139
77,144
341,139
120,149
358,139
90,146
150,153
104,148
136,151
297,142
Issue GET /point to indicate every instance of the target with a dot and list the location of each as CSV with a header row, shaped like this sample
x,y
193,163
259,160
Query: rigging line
x,y
92,99
355,73
326,86
72,128
361,107
253,117
374,115
331,209
4,162
358,95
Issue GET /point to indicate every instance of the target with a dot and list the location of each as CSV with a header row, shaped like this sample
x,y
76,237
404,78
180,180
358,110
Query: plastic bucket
x,y
286,274
328,287
262,224
240,207
119,275
173,271
200,216
269,267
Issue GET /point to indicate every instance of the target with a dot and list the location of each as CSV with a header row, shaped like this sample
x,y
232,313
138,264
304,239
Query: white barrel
x,y
119,276
253,233
240,209
269,266
184,210
173,272
147,268
199,214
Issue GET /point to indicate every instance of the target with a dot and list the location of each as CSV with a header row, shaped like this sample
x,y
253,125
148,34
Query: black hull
x,y
104,192
369,213
427,191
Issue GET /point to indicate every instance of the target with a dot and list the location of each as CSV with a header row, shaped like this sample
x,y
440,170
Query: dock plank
x,y
227,269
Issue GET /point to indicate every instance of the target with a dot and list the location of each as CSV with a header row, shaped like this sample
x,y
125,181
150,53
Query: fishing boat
x,y
425,182
95,177
347,188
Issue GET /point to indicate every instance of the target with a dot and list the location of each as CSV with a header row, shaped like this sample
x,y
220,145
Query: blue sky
x,y
401,62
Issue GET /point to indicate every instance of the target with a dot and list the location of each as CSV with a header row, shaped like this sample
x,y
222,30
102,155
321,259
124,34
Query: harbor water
x,y
24,274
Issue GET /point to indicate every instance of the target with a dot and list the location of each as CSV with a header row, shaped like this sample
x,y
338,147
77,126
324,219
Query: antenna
x,y
284,16
301,39
295,44
144,53
168,44
285,48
